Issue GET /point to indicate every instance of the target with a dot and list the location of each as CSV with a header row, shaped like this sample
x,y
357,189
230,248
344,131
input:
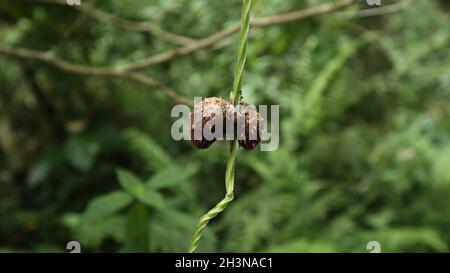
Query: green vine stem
x,y
235,98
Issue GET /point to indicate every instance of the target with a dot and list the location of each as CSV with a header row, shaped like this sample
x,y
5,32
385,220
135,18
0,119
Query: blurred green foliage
x,y
364,131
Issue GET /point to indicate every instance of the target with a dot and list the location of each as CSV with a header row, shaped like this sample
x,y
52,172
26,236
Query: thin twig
x,y
49,58
135,25
221,35
166,56
300,14
383,10
128,24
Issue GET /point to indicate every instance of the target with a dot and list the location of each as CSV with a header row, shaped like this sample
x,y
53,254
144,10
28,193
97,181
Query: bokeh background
x,y
86,152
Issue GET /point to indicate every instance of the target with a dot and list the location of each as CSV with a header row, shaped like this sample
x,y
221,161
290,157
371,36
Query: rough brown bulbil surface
x,y
253,128
204,112
217,108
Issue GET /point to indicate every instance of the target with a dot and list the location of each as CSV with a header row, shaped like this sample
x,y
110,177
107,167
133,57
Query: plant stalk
x,y
235,98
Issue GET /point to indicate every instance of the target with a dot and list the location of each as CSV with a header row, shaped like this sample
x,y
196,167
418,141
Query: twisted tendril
x,y
235,98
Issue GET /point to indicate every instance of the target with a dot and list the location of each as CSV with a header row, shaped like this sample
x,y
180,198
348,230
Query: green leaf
x,y
170,177
312,105
138,228
148,149
151,198
106,205
139,190
92,234
130,183
407,239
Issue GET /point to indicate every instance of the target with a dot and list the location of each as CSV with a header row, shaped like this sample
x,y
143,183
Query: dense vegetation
x,y
87,155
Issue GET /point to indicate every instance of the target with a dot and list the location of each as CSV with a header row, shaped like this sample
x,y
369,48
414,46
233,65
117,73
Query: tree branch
x,y
127,70
219,36
211,39
300,14
126,23
135,25
63,65
383,10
